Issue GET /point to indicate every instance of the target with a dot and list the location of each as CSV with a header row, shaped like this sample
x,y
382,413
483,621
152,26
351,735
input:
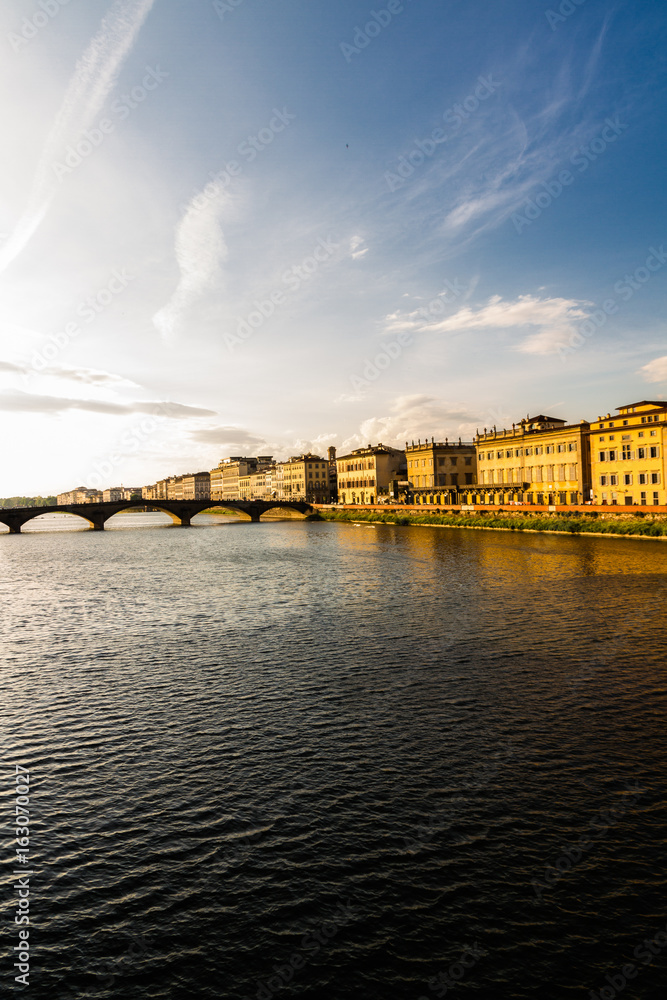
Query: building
x,y
333,475
175,488
114,493
80,495
440,468
303,477
628,455
149,492
196,486
541,460
226,478
365,474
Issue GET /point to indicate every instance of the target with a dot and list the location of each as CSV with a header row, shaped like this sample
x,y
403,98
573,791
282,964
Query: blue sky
x,y
250,227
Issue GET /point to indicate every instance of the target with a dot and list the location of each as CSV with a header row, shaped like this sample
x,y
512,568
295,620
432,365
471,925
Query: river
x,y
331,761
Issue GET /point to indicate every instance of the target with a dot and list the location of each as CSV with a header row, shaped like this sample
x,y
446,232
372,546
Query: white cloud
x,y
16,401
93,81
355,252
412,417
200,252
88,376
554,320
655,371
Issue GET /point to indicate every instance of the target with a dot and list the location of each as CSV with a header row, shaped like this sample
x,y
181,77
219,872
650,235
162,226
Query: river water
x,y
326,761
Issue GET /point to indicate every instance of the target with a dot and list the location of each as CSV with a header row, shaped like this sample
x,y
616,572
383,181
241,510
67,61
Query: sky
x,y
242,227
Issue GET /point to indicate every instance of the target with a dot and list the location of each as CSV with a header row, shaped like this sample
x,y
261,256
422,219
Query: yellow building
x,y
628,455
439,469
304,477
365,474
541,460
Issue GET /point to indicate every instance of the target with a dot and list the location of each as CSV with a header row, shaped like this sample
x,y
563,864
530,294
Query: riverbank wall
x,y
645,522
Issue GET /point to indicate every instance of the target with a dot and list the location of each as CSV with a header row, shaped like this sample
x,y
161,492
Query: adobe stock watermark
x,y
292,280
644,953
130,441
581,158
625,288
572,855
393,349
249,149
31,26
87,311
312,942
92,138
566,9
379,20
444,981
453,117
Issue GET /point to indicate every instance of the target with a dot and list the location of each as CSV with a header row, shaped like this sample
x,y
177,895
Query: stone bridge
x,y
180,511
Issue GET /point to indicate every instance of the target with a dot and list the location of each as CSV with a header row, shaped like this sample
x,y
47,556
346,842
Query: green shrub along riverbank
x,y
588,524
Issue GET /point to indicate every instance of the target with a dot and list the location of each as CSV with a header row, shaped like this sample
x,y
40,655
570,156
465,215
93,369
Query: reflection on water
x,y
243,736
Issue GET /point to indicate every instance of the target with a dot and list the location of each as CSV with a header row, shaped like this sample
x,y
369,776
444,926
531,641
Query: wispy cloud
x,y
16,401
200,252
656,370
553,319
93,81
232,439
88,376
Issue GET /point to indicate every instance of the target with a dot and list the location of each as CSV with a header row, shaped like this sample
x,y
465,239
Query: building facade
x,y
226,478
365,474
437,468
628,455
303,477
541,460
81,494
197,486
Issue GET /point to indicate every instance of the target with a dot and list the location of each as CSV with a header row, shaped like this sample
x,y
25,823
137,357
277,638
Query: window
x,y
627,479
656,499
612,456
626,452
454,460
508,453
602,437
654,453
602,456
467,460
499,454
572,446
652,434
655,477
643,420
625,423
641,452
626,437
441,461
643,478
611,424
550,449
641,434
642,499
561,447
538,449
613,480
603,480
611,436
529,451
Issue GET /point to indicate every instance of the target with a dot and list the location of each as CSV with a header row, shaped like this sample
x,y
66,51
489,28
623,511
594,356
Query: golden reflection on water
x,y
506,557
